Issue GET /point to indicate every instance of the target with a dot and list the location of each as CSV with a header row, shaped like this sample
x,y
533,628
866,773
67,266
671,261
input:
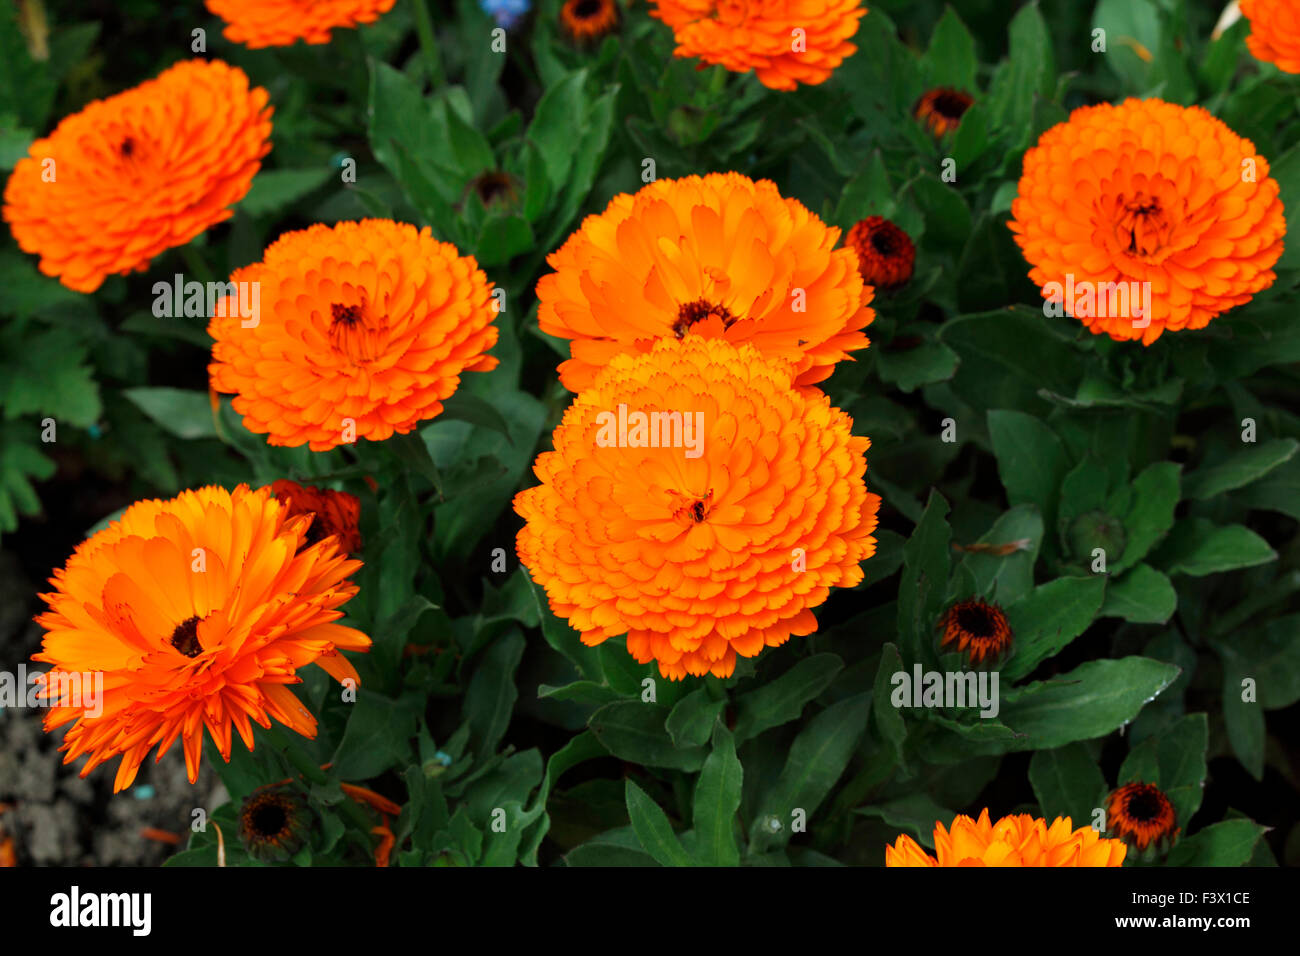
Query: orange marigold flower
x,y
1147,192
760,35
197,611
138,173
1013,841
721,256
1141,815
263,23
699,503
979,629
586,21
941,109
333,512
364,328
885,252
1274,32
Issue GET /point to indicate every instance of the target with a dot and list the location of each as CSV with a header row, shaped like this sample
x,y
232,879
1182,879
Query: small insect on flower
x,y
1153,195
784,43
198,611
1274,32
720,256
273,824
365,328
885,252
941,109
978,629
1142,816
264,23
1019,840
586,21
706,548
131,176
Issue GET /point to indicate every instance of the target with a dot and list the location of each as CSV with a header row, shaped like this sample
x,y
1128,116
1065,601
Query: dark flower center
x,y
883,242
268,820
127,148
976,621
1144,805
950,104
586,9
696,311
348,315
186,637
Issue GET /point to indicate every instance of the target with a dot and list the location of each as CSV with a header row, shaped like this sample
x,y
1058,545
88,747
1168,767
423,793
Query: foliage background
x,y
475,698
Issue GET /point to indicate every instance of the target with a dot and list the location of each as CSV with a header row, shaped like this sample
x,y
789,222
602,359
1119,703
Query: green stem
x,y
429,44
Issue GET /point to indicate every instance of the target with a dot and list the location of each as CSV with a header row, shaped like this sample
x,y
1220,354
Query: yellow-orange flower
x,y
710,529
784,43
198,612
1147,191
364,328
263,23
1013,841
1274,32
138,173
720,256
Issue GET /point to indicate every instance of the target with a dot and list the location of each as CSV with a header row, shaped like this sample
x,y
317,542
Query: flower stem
x,y
429,44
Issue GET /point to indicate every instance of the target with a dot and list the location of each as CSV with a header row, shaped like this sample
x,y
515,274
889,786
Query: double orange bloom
x,y
1018,840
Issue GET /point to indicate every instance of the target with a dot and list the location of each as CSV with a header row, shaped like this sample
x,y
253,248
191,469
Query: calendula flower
x,y
585,21
364,329
332,512
138,173
885,252
1274,32
198,612
1141,815
273,824
1147,192
1013,841
785,44
941,109
263,23
978,629
720,256
698,503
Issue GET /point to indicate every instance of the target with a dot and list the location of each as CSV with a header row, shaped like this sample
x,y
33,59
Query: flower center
x,y
186,637
268,820
586,9
1142,220
697,311
1144,805
950,104
883,242
127,148
350,335
976,622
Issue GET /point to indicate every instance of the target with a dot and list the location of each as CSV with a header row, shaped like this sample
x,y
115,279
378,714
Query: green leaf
x,y
1240,469
890,722
1006,578
377,737
612,848
463,406
1067,783
179,412
556,126
1030,72
779,701
46,375
817,758
503,238
1155,495
691,720
653,829
1031,460
1230,843
1198,547
1174,761
1008,355
926,560
634,731
717,799
924,364
1090,701
916,813
1143,596
950,59
491,695
275,189
1048,618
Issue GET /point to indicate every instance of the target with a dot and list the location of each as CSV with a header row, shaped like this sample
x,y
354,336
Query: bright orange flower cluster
x,y
198,612
1274,32
785,43
721,256
364,328
1013,841
698,502
138,173
263,23
1147,191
